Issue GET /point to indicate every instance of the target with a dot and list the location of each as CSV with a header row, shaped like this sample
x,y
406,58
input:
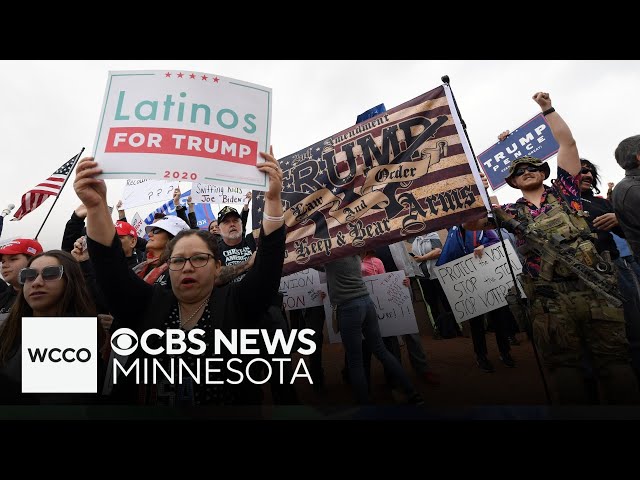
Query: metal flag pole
x,y
59,193
445,79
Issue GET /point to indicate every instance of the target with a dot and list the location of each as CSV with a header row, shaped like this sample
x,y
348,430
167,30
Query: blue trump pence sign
x,y
534,138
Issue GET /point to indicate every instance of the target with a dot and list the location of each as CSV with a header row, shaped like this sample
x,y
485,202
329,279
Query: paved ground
x,y
463,384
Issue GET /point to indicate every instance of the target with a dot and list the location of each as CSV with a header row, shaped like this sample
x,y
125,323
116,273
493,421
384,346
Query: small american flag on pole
x,y
50,187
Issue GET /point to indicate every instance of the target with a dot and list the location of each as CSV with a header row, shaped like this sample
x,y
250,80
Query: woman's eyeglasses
x,y
157,230
49,274
198,260
586,170
529,168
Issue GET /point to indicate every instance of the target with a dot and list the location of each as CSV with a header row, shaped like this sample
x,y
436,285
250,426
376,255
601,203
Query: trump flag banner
x,y
401,173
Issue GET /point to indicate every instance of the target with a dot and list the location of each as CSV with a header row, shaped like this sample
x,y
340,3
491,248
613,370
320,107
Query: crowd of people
x,y
579,252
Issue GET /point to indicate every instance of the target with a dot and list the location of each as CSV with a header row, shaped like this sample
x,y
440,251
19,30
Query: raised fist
x,y
543,99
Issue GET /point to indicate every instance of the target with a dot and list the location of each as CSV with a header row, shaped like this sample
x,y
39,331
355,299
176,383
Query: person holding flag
x,y
570,317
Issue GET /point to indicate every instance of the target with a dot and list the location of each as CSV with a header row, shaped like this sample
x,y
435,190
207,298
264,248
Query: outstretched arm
x,y
121,213
568,158
193,221
73,228
93,194
244,215
273,216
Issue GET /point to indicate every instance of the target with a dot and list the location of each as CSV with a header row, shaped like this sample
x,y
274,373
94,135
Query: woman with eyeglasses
x,y
193,301
52,286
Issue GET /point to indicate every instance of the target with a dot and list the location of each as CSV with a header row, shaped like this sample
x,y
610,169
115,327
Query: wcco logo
x,y
59,354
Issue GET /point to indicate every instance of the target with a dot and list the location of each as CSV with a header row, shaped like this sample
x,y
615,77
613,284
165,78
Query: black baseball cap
x,y
225,212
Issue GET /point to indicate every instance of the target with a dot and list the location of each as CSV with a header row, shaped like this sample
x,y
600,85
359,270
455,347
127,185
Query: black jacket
x,y
597,206
626,201
73,230
140,306
192,221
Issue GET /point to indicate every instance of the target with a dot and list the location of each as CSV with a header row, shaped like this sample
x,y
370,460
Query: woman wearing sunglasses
x,y
52,286
193,301
160,233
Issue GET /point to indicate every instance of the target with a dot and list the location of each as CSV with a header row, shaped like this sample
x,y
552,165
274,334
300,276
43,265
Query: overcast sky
x,y
50,110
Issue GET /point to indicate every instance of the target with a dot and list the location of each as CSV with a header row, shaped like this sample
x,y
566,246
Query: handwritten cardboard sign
x,y
475,286
302,279
222,194
138,192
393,306
304,297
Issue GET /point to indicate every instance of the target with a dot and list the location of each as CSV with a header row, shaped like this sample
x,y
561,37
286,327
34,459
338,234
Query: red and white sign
x,y
187,126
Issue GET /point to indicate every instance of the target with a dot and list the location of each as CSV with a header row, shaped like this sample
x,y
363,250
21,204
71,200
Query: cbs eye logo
x,y
124,341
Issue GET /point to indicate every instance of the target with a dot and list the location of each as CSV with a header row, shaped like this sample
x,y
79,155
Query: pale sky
x,y
50,110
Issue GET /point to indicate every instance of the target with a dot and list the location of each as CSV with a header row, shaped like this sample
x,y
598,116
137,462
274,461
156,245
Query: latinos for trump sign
x,y
181,125
398,174
534,138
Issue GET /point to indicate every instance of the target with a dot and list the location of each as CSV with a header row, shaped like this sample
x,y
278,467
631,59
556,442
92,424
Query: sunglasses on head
x,y
49,274
528,168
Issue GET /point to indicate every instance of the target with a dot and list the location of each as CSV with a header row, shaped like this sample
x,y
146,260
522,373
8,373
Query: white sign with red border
x,y
183,125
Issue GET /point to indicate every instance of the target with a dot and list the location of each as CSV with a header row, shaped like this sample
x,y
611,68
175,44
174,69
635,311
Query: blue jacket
x,y
455,246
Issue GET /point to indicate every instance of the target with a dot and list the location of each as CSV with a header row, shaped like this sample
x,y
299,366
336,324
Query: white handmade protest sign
x,y
222,194
393,306
478,285
302,279
138,192
183,125
304,297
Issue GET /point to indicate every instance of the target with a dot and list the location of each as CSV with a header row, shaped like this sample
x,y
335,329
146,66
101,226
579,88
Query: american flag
x,y
50,187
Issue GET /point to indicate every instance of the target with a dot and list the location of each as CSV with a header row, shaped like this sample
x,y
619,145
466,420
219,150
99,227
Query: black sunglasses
x,y
50,273
584,170
157,230
529,168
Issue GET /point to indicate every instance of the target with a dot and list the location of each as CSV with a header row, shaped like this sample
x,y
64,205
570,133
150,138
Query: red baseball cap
x,y
124,228
25,246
